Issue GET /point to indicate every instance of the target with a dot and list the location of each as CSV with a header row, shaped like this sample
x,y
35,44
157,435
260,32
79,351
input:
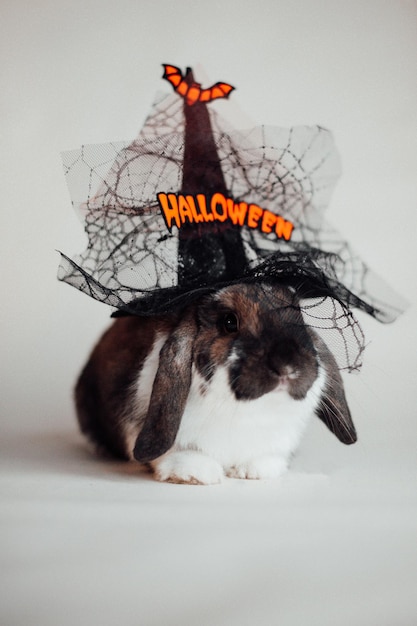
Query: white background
x,y
87,542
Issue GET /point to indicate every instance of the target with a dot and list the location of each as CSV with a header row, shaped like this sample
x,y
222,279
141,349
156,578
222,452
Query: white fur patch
x,y
245,439
189,467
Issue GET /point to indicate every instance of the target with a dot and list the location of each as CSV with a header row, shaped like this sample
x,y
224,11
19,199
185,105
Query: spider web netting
x,y
132,261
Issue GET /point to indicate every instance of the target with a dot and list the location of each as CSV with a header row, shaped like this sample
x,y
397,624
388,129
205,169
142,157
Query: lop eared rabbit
x,y
226,387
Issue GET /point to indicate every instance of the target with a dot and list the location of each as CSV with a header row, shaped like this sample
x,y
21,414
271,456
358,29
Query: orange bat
x,y
192,91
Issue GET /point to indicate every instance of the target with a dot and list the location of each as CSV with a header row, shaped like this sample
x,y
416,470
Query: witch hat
x,y
210,248
192,205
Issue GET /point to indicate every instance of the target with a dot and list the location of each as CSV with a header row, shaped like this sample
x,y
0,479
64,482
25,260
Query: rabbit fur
x,y
226,387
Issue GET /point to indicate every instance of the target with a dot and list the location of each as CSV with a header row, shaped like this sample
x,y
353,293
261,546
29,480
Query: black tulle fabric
x,y
135,264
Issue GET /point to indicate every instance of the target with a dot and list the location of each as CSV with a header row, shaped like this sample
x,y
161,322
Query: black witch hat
x,y
206,248
193,205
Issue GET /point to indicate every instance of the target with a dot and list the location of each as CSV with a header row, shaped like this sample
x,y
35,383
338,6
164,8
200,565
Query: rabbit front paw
x,y
187,467
263,467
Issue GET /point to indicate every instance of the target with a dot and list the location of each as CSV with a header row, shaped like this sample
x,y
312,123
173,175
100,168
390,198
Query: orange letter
x,y
216,200
170,213
237,212
255,213
184,210
201,199
197,217
268,221
284,228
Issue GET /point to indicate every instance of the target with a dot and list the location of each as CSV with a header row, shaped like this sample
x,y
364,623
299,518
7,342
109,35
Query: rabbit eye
x,y
230,323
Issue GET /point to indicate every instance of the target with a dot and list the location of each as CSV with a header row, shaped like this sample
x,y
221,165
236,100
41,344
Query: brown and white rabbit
x,y
227,387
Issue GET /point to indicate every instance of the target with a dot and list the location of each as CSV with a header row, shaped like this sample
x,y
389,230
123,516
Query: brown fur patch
x,y
239,300
102,392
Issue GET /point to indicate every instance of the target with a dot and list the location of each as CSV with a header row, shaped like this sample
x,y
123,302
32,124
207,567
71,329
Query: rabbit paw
x,y
263,467
188,467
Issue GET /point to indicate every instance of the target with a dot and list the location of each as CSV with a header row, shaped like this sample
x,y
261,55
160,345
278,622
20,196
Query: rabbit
x,y
223,388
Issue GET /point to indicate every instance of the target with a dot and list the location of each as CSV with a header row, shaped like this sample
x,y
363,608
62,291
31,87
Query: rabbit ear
x,y
169,393
333,409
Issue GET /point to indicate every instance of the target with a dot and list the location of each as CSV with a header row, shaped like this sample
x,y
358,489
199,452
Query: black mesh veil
x,y
161,232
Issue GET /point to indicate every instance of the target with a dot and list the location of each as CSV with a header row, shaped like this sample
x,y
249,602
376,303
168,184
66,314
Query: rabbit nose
x,y
286,373
281,355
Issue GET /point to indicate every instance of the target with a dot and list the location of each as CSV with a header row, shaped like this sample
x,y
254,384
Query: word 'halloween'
x,y
179,209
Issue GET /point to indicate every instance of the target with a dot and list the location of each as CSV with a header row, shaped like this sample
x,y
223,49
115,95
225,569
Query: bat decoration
x,y
192,205
192,91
